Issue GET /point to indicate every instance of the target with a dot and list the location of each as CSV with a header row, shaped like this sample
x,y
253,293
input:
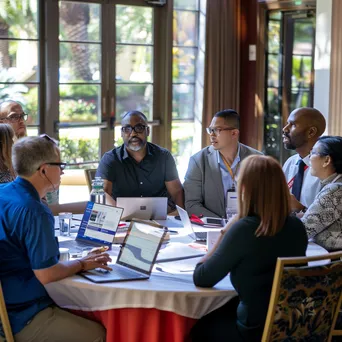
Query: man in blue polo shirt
x,y
139,168
29,251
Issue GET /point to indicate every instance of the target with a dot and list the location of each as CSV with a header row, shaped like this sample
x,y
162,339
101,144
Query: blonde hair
x,y
263,191
6,143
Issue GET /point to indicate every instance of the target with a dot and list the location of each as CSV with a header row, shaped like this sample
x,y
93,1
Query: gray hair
x,y
29,153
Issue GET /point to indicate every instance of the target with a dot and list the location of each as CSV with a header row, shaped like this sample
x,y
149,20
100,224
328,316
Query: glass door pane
x,y
289,73
134,64
19,56
80,80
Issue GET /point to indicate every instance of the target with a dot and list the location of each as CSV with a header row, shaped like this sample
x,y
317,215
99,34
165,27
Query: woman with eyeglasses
x,y
323,219
7,173
248,249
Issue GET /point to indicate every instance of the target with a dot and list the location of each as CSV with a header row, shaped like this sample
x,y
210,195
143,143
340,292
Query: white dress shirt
x,y
311,185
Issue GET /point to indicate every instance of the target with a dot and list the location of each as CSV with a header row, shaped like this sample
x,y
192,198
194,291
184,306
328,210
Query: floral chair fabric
x,y
306,304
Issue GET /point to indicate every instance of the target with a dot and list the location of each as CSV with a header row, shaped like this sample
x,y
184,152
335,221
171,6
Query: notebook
x,y
137,255
196,236
145,208
98,227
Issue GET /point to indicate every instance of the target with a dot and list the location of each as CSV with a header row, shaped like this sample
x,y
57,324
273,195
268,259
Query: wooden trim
x,y
162,103
335,100
274,298
334,332
4,318
260,76
287,4
303,260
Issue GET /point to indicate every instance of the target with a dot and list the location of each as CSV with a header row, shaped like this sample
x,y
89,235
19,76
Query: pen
x,y
172,231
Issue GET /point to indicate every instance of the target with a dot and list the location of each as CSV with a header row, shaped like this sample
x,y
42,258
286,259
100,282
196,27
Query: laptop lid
x,y
186,222
145,208
141,246
99,224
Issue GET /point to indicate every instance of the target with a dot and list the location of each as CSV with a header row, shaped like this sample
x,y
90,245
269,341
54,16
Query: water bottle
x,y
98,194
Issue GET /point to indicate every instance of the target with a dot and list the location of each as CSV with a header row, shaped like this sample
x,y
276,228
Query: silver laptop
x,y
197,236
98,228
145,208
137,255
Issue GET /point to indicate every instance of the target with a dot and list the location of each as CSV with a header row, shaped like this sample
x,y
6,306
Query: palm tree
x,y
75,18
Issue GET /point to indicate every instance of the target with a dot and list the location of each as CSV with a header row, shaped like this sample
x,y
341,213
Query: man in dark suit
x,y
213,170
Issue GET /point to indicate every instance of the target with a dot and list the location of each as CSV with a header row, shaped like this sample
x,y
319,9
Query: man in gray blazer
x,y
213,170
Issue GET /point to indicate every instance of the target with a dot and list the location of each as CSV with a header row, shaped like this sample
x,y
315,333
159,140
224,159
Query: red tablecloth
x,y
142,325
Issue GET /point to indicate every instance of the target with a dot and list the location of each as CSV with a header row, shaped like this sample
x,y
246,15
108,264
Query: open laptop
x,y
197,236
145,208
137,255
97,228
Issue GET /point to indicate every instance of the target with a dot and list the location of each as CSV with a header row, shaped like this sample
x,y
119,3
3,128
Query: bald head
x,y
11,112
304,126
311,117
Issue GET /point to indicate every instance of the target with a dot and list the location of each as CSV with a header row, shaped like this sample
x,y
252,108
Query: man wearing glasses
x,y
139,168
11,112
213,171
29,252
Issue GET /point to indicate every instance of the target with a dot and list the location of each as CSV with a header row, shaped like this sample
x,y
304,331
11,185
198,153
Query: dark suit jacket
x,y
203,186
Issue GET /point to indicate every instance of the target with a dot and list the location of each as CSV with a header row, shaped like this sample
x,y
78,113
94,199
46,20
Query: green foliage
x,y
78,151
179,145
77,90
77,111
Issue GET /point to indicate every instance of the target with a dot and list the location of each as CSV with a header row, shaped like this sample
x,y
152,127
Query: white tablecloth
x,y
172,291
163,291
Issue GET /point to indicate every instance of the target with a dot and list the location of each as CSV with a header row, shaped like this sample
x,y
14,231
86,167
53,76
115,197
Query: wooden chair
x,y
90,176
305,300
4,321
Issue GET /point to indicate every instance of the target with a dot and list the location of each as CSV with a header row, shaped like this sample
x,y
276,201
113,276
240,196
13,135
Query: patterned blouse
x,y
323,219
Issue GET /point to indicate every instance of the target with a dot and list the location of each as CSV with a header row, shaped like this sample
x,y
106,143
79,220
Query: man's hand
x,y
295,204
95,260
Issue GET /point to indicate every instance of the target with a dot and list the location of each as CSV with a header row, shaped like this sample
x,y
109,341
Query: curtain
x,y
221,75
335,101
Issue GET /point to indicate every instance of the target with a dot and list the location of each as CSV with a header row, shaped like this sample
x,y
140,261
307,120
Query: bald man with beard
x,y
304,126
11,112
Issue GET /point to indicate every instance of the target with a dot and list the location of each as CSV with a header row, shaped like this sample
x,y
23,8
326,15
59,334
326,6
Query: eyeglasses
x,y
314,153
217,131
15,117
137,129
62,166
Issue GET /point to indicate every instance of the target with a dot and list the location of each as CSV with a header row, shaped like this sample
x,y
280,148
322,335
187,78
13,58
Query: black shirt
x,y
251,262
144,179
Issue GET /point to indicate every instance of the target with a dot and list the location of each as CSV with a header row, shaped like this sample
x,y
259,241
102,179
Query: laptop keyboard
x,y
75,244
201,236
122,272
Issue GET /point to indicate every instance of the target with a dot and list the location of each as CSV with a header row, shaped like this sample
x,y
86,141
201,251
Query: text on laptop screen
x,y
99,223
141,246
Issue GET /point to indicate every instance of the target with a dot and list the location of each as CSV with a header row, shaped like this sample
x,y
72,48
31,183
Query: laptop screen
x,y
144,208
99,223
141,246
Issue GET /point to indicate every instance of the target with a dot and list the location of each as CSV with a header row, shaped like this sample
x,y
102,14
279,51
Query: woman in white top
x,y
323,219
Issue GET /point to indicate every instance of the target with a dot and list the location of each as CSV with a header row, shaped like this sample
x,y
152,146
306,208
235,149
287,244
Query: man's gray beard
x,y
135,148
